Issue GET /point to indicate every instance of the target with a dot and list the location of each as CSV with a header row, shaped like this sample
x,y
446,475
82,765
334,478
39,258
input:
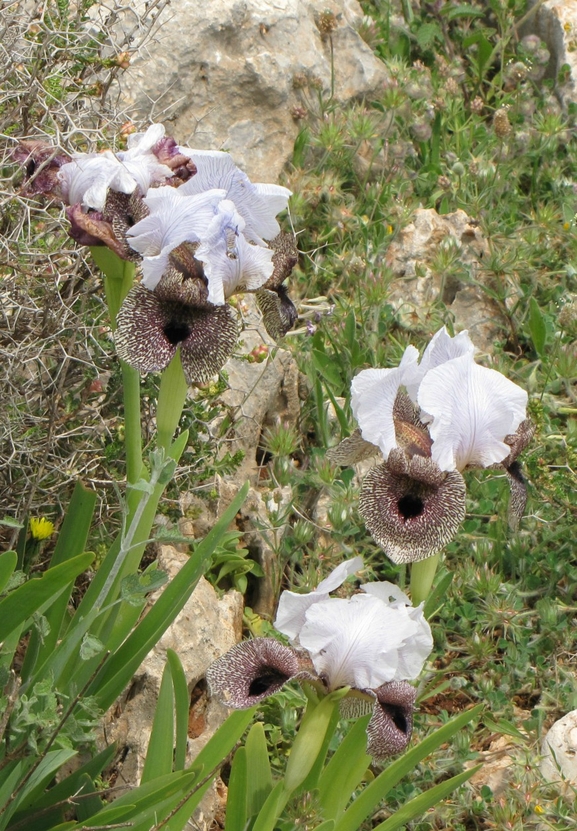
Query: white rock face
x,y
559,751
419,281
556,23
221,74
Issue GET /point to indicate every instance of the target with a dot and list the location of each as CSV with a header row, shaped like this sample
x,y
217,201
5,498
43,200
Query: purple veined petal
x,y
473,409
356,642
251,671
173,219
373,395
390,728
292,607
257,204
441,348
231,263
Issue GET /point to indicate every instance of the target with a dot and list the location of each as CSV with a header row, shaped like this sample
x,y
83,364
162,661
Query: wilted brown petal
x,y
352,450
41,163
518,497
389,730
167,152
251,671
278,311
412,518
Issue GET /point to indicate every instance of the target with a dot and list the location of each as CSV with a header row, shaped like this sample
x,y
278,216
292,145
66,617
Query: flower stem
x,y
171,398
422,576
118,280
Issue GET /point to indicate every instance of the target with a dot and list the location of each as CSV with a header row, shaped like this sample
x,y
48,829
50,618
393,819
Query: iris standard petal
x,y
441,348
473,409
373,395
231,263
412,518
251,671
292,607
355,642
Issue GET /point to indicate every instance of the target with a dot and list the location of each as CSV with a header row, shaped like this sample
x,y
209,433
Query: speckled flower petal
x,y
209,344
251,671
278,311
473,410
410,518
390,728
145,336
373,396
352,450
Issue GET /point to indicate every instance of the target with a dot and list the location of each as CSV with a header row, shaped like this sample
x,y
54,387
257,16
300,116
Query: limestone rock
x,y
421,280
555,21
205,629
226,74
559,751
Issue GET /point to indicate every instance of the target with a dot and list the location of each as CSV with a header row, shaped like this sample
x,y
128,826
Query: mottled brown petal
x,y
122,211
390,728
519,440
518,497
412,439
91,228
140,337
352,450
407,517
278,311
210,343
405,410
185,285
251,671
284,259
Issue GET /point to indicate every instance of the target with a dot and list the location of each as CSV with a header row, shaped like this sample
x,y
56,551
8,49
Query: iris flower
x,y
372,642
431,420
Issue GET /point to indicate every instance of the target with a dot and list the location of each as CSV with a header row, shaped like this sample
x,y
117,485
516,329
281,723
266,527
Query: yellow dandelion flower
x,y
41,528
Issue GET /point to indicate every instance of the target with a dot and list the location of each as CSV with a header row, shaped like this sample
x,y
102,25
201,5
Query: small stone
x,y
559,750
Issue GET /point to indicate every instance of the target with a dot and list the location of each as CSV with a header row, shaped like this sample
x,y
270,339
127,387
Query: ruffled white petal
x,y
230,262
258,204
339,574
86,179
387,592
356,642
173,219
138,143
441,348
292,607
472,410
373,397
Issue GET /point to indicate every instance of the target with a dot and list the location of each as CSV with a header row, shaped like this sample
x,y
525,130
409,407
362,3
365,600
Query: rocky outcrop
x,y
439,258
231,74
555,21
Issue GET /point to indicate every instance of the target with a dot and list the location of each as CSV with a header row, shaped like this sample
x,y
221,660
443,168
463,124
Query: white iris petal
x,y
258,204
356,641
292,607
472,409
441,348
230,262
173,219
373,397
87,178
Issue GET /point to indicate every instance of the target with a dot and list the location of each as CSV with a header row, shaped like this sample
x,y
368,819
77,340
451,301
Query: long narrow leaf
x,y
37,594
345,770
181,707
8,562
424,801
160,750
258,767
374,793
236,802
119,669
